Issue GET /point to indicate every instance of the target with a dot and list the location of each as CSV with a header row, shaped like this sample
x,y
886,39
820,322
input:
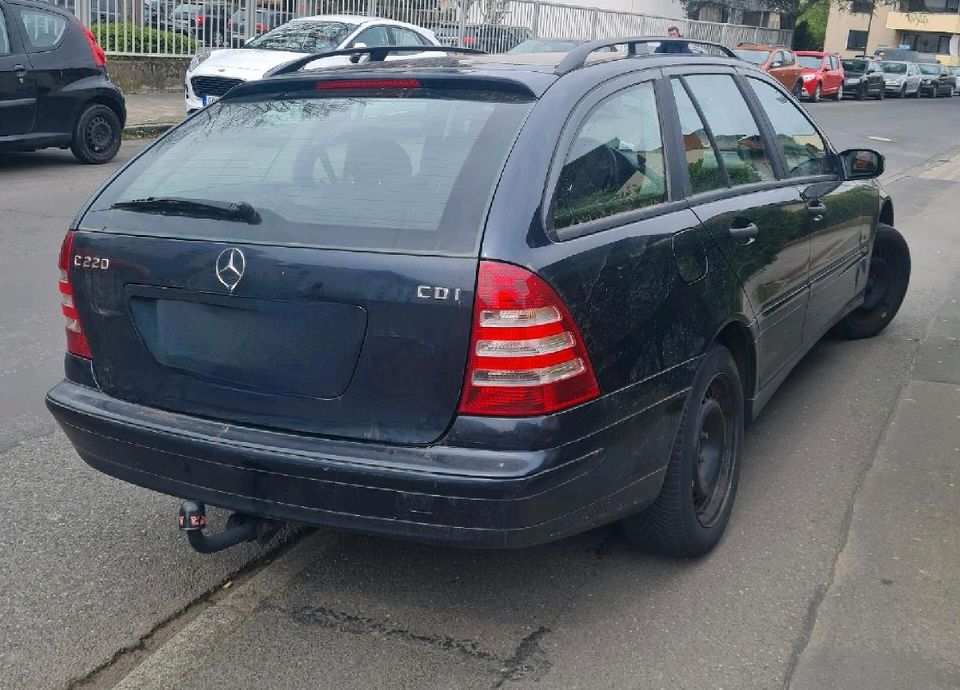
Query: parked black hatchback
x,y
54,86
478,300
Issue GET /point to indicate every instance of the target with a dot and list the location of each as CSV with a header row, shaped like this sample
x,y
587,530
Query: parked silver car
x,y
955,71
901,78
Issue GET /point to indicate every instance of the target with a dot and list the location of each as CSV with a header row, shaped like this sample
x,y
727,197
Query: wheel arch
x,y
737,337
886,213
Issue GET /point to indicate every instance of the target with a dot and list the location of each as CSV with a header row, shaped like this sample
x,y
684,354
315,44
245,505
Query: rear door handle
x,y
744,235
817,209
20,71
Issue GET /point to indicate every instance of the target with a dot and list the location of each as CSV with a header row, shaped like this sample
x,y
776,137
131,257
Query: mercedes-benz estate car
x,y
484,300
212,74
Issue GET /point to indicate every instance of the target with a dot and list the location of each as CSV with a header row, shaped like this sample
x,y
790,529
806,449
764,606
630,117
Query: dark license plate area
x,y
280,348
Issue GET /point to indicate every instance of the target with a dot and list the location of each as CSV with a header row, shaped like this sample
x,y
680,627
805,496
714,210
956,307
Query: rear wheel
x,y
96,136
693,508
887,284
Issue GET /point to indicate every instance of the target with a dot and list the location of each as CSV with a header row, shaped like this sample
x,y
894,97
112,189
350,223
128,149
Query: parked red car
x,y
822,75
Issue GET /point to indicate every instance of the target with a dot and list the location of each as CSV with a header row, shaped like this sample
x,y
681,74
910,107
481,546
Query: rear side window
x,y
4,37
412,173
42,30
742,149
703,164
406,37
804,150
615,163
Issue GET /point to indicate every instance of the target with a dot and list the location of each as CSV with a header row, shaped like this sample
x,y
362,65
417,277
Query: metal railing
x,y
171,28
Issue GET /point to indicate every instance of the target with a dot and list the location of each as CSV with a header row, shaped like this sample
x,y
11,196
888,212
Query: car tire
x,y
903,91
798,90
838,95
887,284
689,516
96,135
815,98
862,93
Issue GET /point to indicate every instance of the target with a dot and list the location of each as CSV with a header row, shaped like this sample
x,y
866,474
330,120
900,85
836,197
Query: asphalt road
x,y
91,566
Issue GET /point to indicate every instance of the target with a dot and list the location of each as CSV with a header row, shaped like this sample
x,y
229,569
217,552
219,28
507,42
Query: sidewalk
x,y
154,112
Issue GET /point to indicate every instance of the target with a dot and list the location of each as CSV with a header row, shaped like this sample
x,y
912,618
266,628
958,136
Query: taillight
x,y
99,57
200,19
76,341
526,356
261,28
468,41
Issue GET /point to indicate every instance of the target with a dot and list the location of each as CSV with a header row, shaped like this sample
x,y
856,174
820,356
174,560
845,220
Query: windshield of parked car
x,y
413,173
930,69
955,71
894,67
809,61
757,57
187,9
544,45
304,36
854,66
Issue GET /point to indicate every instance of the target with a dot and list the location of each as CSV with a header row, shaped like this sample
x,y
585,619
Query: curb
x,y
146,130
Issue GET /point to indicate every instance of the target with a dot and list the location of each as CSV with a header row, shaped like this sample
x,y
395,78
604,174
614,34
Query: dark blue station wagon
x,y
476,300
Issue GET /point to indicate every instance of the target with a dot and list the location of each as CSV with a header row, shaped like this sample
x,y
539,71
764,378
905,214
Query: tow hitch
x,y
240,528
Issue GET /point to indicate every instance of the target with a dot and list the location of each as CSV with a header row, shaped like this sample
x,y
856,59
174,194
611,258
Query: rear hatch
x,y
303,263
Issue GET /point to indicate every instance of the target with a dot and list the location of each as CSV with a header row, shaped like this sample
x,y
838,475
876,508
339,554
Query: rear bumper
x,y
466,495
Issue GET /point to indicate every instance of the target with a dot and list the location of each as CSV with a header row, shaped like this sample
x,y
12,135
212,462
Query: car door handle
x,y
20,71
817,209
744,234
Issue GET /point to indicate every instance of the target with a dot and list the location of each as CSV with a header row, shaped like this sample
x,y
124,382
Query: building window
x,y
862,7
927,43
932,6
856,40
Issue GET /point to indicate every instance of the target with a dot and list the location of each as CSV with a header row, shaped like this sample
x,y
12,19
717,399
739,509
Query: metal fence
x,y
180,29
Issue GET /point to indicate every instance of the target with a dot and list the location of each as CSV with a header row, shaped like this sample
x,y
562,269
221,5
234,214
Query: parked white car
x,y
211,75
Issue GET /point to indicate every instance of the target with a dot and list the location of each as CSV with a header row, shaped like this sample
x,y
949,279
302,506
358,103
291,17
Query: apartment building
x,y
927,26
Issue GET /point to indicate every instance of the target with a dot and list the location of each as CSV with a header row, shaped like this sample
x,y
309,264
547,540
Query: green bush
x,y
811,27
130,38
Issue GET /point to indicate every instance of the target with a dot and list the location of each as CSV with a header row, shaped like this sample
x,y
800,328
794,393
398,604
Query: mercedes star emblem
x,y
230,266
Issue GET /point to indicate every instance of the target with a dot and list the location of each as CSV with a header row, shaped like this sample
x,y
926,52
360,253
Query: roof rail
x,y
577,57
376,53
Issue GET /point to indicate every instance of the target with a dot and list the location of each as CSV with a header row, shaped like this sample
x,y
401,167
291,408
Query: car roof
x,y
358,19
812,53
534,71
759,46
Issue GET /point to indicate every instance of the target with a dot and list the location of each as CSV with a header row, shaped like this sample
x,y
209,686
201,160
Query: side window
x,y
788,58
742,149
406,37
4,37
374,37
803,149
42,30
834,63
778,58
615,163
703,164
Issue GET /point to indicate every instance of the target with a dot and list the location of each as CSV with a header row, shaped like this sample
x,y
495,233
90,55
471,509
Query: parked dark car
x,y
54,86
936,80
490,38
207,23
562,315
156,14
863,78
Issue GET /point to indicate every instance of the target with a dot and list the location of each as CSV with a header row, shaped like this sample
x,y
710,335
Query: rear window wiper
x,y
193,208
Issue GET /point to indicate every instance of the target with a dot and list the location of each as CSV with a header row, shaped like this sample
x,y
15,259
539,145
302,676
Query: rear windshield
x,y
408,174
809,61
757,57
854,66
894,68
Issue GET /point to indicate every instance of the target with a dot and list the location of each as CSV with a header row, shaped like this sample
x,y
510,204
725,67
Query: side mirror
x,y
861,164
356,58
776,65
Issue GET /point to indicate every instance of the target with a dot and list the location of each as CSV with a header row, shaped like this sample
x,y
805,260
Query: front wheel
x,y
96,135
689,516
816,94
887,284
798,89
